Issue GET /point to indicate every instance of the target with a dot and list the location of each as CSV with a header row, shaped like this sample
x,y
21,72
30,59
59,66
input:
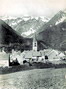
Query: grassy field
x,y
35,79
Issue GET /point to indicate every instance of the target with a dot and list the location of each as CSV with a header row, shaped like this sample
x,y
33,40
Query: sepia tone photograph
x,y
32,44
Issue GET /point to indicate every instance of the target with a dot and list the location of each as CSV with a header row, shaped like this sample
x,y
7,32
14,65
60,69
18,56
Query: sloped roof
x,y
30,54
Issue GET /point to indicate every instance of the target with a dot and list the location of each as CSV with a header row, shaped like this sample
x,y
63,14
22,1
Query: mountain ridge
x,y
54,34
25,24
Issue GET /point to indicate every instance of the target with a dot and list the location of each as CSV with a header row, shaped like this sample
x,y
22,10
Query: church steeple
x,y
34,43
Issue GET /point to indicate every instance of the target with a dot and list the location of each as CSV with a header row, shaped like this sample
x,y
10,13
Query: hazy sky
x,y
31,7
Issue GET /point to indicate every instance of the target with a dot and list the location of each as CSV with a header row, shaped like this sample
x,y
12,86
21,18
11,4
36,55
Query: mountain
x,y
53,33
55,20
27,25
8,35
10,38
50,33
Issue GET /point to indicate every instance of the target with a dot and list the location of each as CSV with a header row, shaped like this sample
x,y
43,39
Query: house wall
x,y
4,57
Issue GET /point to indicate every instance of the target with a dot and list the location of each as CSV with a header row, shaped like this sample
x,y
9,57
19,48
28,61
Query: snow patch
x,y
14,23
36,18
44,19
7,17
27,33
61,20
50,25
26,18
19,21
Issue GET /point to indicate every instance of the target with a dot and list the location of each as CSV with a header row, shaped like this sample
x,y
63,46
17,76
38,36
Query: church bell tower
x,y
34,43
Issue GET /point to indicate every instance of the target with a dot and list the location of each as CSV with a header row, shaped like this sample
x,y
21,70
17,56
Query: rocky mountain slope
x,y
10,38
53,33
8,35
55,20
26,26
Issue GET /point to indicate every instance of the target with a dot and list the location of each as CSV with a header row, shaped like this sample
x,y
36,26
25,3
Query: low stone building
x,y
4,59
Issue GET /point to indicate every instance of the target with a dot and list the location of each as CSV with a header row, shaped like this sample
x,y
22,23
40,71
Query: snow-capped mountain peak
x,y
7,17
25,25
60,20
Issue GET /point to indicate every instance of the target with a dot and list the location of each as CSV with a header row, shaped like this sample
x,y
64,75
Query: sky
x,y
31,7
